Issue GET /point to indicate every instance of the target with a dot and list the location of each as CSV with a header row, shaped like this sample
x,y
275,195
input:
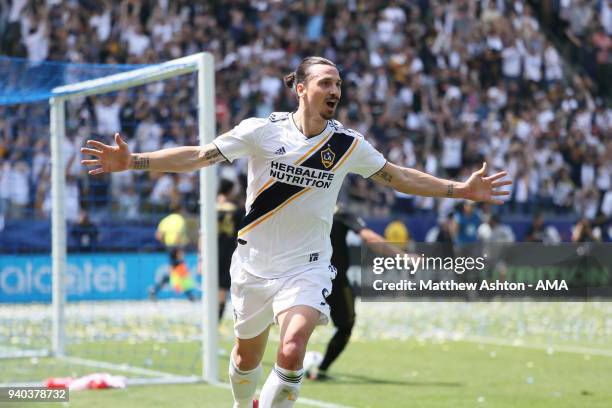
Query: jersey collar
x,y
295,128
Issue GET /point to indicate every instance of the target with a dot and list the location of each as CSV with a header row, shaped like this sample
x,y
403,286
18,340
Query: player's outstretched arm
x,y
478,187
110,159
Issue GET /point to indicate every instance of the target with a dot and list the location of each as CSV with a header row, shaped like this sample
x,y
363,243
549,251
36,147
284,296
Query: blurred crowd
x,y
437,85
585,26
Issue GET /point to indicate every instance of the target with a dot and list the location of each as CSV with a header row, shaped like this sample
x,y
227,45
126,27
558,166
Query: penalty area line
x,y
173,378
301,400
157,377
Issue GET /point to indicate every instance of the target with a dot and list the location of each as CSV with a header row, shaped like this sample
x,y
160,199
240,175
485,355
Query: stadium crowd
x,y
436,85
586,27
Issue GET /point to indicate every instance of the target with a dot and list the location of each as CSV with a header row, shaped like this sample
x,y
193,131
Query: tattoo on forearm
x,y
385,176
213,156
450,190
141,163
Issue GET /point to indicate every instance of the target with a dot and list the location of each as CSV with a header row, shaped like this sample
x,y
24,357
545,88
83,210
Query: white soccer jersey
x,y
293,185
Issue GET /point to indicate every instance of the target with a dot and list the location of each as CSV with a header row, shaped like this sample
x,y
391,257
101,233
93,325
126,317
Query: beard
x,y
325,114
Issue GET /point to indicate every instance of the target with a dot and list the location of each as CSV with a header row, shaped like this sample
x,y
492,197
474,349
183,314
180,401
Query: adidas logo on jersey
x,y
280,151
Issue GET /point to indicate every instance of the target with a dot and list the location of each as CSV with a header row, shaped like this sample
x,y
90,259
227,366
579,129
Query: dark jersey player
x,y
228,220
342,300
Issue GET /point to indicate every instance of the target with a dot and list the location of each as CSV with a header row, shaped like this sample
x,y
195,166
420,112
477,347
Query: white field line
x,y
22,384
119,367
173,378
9,353
301,400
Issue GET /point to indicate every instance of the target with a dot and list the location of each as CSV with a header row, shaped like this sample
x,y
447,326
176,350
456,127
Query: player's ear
x,y
300,89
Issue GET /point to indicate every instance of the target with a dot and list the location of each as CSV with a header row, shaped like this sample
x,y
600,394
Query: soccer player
x,y
172,232
281,268
228,219
341,299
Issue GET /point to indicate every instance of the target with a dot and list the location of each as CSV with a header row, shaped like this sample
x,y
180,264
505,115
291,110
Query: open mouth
x,y
332,104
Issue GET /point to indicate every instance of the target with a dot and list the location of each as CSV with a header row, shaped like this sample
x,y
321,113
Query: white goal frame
x,y
203,63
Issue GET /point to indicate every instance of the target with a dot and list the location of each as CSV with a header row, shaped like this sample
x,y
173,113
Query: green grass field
x,y
403,355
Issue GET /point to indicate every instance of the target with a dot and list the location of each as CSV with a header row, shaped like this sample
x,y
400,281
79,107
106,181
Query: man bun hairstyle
x,y
300,75
289,80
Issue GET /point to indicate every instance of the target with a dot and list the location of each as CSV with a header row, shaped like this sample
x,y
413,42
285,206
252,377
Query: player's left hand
x,y
479,187
107,158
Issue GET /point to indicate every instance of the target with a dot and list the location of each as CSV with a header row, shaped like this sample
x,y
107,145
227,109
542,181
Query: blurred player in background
x,y
228,220
281,268
466,224
341,300
397,234
172,233
85,233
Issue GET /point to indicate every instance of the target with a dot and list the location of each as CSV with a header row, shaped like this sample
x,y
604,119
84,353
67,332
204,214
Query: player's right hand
x,y
107,158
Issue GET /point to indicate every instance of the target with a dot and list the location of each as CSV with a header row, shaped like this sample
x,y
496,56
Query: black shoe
x,y
319,375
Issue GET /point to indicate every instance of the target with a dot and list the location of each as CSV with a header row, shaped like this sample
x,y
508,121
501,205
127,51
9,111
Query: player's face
x,y
322,91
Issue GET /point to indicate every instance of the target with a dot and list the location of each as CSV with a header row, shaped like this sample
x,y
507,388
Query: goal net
x,y
79,260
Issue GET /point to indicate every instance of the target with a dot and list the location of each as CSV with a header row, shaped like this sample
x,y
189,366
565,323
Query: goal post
x,y
58,225
203,64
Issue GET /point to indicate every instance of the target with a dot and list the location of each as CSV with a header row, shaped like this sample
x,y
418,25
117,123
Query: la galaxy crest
x,y
327,157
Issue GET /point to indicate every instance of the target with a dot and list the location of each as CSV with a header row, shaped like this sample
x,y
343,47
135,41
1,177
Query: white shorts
x,y
258,301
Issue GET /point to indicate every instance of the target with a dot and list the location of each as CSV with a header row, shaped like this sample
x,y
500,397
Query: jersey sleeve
x,y
241,141
368,160
352,222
